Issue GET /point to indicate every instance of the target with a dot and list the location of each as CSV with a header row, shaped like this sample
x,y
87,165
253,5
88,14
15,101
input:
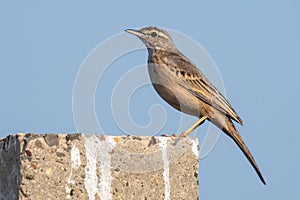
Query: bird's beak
x,y
135,32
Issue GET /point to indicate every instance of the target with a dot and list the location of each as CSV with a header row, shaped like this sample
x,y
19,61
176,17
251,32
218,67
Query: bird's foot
x,y
184,134
166,135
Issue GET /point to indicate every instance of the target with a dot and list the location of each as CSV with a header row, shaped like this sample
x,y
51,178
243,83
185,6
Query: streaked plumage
x,y
180,83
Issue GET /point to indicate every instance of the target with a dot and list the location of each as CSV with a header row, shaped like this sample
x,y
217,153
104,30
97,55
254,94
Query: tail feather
x,y
228,127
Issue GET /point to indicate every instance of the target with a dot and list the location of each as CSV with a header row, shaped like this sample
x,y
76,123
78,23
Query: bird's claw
x,y
166,135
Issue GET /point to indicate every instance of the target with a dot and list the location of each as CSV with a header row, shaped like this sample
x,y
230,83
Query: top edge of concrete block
x,y
52,139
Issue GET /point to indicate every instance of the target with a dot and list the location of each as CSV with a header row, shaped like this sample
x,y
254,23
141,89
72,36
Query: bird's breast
x,y
167,84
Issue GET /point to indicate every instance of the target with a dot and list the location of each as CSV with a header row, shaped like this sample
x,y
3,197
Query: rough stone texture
x,y
78,166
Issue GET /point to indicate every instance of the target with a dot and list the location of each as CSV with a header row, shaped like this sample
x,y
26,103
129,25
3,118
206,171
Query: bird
x,y
182,85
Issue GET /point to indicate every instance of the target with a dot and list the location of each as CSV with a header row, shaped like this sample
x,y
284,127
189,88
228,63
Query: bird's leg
x,y
189,130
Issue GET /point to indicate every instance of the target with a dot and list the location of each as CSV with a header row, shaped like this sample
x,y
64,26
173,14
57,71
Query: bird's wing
x,y
198,85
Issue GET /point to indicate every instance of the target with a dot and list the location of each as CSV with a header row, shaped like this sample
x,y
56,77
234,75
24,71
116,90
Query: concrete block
x,y
80,166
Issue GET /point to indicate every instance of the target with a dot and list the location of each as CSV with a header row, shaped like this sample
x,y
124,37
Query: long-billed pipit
x,y
180,83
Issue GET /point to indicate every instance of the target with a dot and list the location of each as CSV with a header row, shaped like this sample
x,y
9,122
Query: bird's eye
x,y
153,34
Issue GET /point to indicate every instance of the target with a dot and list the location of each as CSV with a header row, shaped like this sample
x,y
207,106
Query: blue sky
x,y
255,46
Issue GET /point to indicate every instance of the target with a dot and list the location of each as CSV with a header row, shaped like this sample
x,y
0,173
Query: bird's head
x,y
154,38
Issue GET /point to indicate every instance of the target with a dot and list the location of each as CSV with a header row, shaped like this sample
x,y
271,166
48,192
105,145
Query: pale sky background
x,y
255,45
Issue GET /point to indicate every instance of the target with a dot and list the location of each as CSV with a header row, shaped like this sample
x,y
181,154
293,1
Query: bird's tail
x,y
228,127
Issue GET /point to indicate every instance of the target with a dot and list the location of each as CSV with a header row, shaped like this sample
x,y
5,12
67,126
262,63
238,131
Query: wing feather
x,y
197,84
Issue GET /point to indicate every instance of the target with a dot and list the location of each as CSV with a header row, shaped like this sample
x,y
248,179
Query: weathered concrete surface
x,y
78,166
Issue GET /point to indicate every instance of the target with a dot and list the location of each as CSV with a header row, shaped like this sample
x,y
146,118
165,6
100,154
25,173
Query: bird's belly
x,y
175,95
